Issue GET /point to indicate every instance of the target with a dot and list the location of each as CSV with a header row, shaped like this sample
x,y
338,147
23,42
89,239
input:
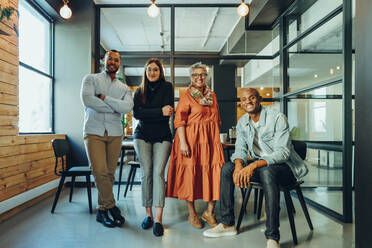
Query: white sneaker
x,y
272,244
220,231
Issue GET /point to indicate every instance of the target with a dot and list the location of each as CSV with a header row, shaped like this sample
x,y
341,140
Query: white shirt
x,y
101,116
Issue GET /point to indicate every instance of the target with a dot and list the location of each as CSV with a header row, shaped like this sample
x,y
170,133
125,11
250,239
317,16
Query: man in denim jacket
x,y
263,136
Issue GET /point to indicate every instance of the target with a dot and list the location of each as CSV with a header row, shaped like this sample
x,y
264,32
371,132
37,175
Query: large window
x,y
35,72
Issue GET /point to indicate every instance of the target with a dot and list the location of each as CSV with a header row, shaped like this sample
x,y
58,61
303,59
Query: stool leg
x,y
290,215
292,206
121,170
304,207
72,187
243,194
255,201
133,175
58,193
246,193
260,200
128,181
89,193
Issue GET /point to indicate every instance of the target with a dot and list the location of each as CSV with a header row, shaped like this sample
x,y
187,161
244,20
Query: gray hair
x,y
198,65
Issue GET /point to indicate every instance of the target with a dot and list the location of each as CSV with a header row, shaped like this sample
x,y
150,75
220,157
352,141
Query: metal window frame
x,y
347,144
33,4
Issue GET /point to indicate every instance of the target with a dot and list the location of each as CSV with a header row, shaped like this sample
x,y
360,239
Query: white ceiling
x,y
168,1
131,29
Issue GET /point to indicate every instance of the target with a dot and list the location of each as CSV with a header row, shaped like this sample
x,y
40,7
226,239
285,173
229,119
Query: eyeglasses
x,y
196,75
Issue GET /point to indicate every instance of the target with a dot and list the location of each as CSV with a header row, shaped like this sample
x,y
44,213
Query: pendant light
x,y
243,9
153,10
65,11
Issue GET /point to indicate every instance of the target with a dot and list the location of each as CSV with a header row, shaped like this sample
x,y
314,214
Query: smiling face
x,y
153,72
198,78
250,101
112,62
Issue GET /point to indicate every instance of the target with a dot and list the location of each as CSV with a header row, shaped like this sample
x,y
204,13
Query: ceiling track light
x,y
153,10
243,9
65,11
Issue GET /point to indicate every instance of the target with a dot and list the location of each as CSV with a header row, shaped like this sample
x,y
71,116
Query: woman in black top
x,y
153,106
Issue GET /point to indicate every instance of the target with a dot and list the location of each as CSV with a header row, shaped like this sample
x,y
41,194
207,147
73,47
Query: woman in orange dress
x,y
197,154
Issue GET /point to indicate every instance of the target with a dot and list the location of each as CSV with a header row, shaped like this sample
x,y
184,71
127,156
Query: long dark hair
x,y
145,80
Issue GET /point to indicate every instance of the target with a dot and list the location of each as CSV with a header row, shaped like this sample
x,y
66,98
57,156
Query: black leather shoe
x,y
158,229
103,218
118,218
147,222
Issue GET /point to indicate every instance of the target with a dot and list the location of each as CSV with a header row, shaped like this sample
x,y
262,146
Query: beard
x,y
111,71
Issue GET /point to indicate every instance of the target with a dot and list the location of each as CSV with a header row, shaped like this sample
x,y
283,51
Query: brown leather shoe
x,y
211,219
195,221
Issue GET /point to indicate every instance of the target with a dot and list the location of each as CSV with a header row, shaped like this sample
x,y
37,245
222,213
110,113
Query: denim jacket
x,y
101,116
273,131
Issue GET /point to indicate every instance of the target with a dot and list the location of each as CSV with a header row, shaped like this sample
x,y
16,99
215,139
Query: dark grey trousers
x,y
270,177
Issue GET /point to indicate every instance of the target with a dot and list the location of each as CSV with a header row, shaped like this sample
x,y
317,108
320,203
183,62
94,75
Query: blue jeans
x,y
271,177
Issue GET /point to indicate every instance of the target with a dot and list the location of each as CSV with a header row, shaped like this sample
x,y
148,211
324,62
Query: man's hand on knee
x,y
238,168
245,175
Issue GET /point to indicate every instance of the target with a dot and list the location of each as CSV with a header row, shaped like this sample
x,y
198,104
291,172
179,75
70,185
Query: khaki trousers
x,y
103,153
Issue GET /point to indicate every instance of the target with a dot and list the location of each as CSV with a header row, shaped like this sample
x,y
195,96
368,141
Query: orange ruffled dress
x,y
197,176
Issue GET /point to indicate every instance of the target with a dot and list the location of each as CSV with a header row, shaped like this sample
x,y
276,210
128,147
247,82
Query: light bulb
x,y
65,11
243,9
153,10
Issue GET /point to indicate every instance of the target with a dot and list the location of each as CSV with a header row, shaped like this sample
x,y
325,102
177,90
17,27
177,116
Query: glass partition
x,y
318,57
308,13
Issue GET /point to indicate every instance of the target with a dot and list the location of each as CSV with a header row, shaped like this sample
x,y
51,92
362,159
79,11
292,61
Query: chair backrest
x,y
300,148
61,147
61,150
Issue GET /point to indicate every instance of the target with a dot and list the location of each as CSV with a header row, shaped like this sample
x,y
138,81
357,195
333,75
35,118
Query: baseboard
x,y
6,215
79,184
27,196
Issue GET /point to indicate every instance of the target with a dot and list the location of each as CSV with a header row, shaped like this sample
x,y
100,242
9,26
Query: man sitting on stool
x,y
263,135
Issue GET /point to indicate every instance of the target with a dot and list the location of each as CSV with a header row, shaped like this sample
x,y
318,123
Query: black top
x,y
153,126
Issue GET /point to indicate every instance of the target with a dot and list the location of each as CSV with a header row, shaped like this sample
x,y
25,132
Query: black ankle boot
x,y
118,218
103,218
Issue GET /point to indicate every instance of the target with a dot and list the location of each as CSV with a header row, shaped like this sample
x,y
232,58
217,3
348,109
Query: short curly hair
x,y
198,65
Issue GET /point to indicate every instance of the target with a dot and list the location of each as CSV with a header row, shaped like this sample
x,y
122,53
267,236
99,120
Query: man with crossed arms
x,y
105,99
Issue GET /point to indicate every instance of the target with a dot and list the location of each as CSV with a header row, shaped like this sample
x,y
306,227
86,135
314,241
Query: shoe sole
x,y
117,225
219,235
197,227
101,221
